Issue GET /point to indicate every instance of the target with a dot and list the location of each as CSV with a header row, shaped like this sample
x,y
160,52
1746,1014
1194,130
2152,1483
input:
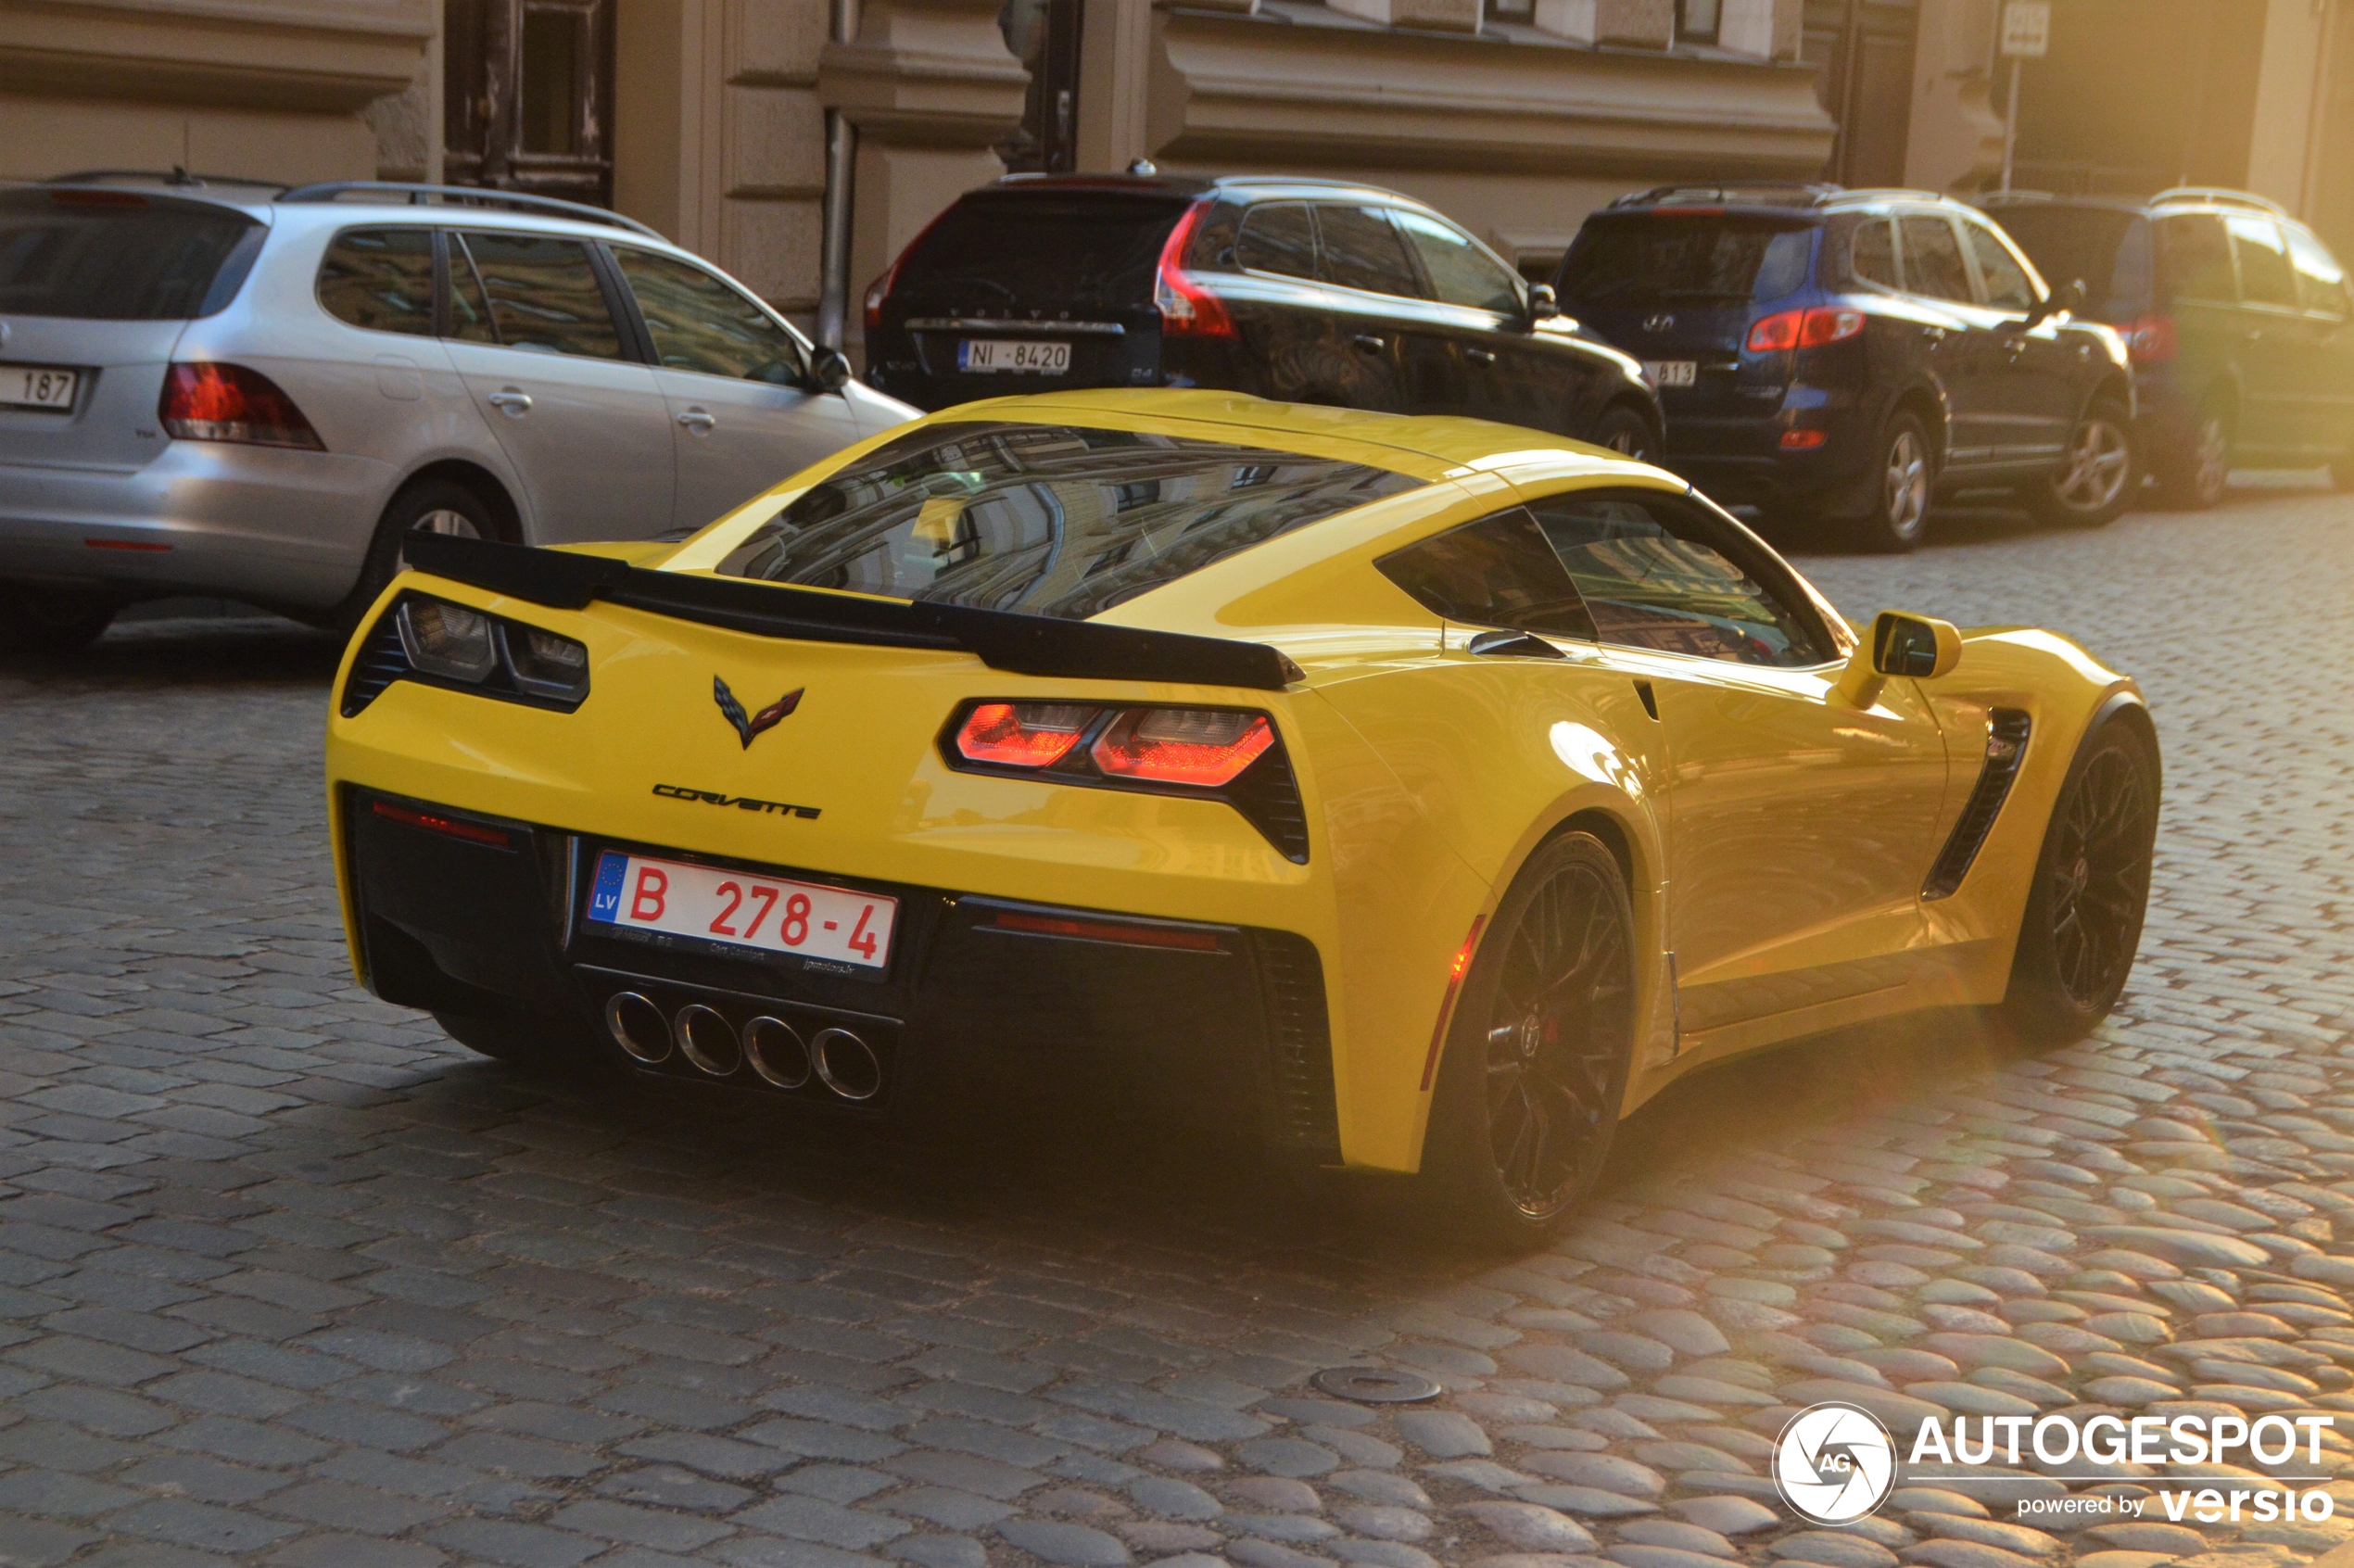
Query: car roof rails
x,y
1756,192
2220,196
2005,198
175,176
1892,193
464,195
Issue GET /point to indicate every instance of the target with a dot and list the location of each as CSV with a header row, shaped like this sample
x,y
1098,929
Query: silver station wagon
x,y
235,389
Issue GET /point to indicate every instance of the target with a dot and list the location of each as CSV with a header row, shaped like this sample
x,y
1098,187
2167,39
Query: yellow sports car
x,y
1424,793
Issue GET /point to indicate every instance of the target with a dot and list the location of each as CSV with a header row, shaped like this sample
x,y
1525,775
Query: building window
x,y
1511,10
1696,20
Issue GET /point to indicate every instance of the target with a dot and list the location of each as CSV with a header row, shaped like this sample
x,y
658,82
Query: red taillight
x,y
1804,440
1187,309
448,827
878,292
1022,734
1179,937
1206,747
1804,329
215,402
2151,339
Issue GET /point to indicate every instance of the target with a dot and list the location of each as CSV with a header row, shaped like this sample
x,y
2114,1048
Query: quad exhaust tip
x,y
708,1040
638,1026
846,1065
777,1052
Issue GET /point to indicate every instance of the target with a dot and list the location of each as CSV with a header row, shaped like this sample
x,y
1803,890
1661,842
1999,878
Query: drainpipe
x,y
841,150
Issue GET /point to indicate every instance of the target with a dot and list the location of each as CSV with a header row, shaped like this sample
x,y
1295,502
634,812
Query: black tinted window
x,y
2195,259
381,279
1053,520
1633,260
2007,283
2265,274
1278,238
111,256
1359,249
1871,252
2320,279
1651,575
1934,262
543,294
2106,248
1497,572
700,323
1460,273
1058,252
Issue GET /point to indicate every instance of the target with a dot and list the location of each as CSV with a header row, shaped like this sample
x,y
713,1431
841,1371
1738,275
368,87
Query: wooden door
x,y
529,100
1863,50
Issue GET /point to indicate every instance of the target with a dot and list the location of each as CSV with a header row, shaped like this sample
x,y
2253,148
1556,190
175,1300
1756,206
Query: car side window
x,y
1871,253
1497,572
2320,279
1652,574
381,279
700,323
1278,238
2195,259
539,293
2265,275
1356,248
1933,263
2005,280
1460,273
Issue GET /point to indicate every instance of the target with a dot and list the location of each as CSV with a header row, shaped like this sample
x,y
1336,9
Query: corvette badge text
x,y
1835,1464
741,803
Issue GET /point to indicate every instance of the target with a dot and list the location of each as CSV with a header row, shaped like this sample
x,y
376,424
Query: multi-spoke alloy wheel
x,y
1907,481
2097,476
1536,1061
2083,920
441,520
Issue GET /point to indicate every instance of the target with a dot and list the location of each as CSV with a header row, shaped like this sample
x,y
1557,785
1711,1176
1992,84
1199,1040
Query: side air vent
x,y
382,661
2006,747
1268,793
1301,1064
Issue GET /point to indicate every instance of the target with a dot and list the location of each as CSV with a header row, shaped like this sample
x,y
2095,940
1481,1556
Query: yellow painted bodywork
x,y
1777,835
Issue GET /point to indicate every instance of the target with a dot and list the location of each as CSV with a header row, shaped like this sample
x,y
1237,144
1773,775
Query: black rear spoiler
x,y
1038,645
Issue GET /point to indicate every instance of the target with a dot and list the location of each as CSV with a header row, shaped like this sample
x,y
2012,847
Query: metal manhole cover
x,y
1375,1386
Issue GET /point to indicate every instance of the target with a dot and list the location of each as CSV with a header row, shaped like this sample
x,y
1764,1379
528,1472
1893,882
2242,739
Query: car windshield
x,y
1069,253
1647,258
110,255
1047,518
2108,249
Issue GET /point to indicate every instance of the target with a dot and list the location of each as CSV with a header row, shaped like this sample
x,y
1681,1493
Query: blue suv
x,y
1846,356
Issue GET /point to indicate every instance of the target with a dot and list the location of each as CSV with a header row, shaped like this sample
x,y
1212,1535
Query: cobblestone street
x,y
287,1277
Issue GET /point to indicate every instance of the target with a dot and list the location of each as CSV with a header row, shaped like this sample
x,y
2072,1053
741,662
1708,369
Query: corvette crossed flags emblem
x,y
750,727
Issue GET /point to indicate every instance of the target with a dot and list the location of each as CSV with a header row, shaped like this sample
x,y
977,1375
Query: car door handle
x,y
2255,335
1369,342
1479,356
698,419
511,402
1934,334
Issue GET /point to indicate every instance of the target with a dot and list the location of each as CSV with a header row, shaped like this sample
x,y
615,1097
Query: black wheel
x,y
1537,1054
2194,477
432,506
35,618
1907,470
2099,474
2083,920
1626,432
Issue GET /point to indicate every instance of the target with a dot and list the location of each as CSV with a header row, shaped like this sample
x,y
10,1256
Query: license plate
x,y
987,355
741,909
38,387
1670,372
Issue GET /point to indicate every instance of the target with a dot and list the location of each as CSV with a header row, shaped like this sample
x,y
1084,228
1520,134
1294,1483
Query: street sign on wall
x,y
2027,30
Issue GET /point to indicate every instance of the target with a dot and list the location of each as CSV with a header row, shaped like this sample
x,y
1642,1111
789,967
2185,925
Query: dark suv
x,y
1304,290
2236,316
1844,356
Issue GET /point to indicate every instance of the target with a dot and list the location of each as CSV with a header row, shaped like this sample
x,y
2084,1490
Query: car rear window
x,y
112,255
1070,253
1638,261
1046,519
2109,249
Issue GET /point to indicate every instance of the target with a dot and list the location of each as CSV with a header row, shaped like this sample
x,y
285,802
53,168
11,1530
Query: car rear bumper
x,y
1740,462
1225,1024
257,522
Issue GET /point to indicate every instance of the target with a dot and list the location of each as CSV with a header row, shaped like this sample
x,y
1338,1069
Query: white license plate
x,y
987,355
740,909
38,387
1671,373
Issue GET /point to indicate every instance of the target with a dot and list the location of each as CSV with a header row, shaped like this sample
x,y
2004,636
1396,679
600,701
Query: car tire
x,y
1907,479
35,618
2196,477
2084,911
437,506
1536,1055
1626,432
2099,475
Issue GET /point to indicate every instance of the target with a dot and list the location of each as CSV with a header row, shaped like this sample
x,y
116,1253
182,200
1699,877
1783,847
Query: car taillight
x,y
2151,339
1804,329
1022,734
1205,747
878,292
1187,309
216,403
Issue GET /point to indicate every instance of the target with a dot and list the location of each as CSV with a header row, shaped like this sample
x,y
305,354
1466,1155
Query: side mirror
x,y
1900,646
1543,302
2068,298
830,370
